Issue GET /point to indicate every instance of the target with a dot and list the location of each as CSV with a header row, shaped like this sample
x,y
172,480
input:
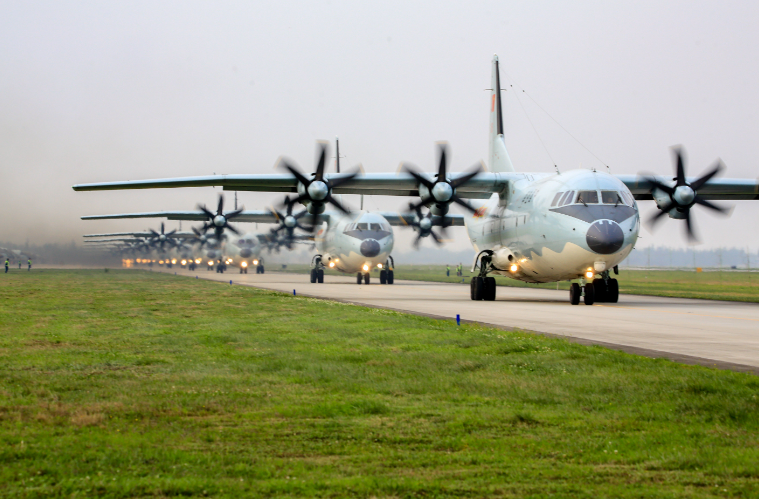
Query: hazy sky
x,y
98,91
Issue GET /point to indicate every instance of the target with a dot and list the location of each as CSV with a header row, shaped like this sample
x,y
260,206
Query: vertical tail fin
x,y
499,160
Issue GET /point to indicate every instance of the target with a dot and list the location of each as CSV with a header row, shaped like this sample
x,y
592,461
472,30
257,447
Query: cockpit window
x,y
362,226
587,197
556,199
611,197
375,226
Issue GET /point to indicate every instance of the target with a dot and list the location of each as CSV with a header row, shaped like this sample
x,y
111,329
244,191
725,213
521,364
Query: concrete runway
x,y
725,334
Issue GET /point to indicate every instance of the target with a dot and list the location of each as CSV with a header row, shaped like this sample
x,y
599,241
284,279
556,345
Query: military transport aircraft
x,y
352,242
576,225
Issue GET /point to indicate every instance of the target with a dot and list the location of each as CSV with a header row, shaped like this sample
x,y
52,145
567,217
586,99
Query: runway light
x,y
255,262
513,267
589,275
366,268
379,265
244,264
331,264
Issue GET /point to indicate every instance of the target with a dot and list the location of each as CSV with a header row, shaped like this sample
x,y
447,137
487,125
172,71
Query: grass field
x,y
138,384
729,285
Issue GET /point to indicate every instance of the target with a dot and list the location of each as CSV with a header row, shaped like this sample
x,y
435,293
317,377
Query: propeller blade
x,y
233,214
662,211
336,203
206,212
435,237
220,209
712,206
443,163
335,182
698,183
689,228
297,174
170,233
419,204
680,166
662,187
463,203
429,185
227,226
319,174
162,227
463,179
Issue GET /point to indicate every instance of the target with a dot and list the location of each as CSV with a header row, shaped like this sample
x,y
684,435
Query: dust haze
x,y
104,91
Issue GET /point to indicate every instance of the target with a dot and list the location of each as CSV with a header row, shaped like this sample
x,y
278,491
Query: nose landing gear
x,y
602,290
481,286
317,269
386,274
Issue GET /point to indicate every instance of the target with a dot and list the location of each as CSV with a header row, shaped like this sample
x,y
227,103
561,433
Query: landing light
x,y
184,262
513,267
379,265
589,275
244,264
160,262
210,262
255,262
366,268
331,264
173,261
198,261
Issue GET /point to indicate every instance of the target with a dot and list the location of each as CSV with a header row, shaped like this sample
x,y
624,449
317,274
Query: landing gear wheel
x,y
389,276
476,286
574,293
488,291
320,276
359,277
366,278
590,294
612,292
599,287
383,277
313,276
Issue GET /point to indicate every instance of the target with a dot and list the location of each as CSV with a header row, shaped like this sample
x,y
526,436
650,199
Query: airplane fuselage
x,y
555,227
354,243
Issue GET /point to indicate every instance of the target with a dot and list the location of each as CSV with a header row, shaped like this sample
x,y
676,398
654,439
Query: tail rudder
x,y
499,160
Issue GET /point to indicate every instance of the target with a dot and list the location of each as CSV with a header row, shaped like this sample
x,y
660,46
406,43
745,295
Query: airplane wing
x,y
400,219
378,184
258,216
728,189
180,235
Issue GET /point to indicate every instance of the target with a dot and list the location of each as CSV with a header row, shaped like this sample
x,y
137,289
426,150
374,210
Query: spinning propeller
x,y
201,238
289,223
161,239
677,200
423,225
441,192
219,221
316,192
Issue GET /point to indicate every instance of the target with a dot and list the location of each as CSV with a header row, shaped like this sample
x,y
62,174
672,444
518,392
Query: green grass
x,y
732,285
138,384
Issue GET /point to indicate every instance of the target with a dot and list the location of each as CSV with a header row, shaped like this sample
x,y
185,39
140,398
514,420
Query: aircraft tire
x,y
476,286
390,277
574,294
367,278
612,292
262,269
320,276
383,277
590,294
359,276
313,276
601,290
488,291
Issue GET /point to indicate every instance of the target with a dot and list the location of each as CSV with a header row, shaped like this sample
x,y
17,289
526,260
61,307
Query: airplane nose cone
x,y
245,252
605,237
370,248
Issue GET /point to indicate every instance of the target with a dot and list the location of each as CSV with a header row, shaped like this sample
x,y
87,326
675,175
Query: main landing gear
x,y
366,277
602,290
481,286
386,274
317,269
260,268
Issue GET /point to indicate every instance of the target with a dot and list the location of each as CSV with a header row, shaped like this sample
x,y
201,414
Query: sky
x,y
104,91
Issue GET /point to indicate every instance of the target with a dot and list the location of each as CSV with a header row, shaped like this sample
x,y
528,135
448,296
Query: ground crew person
x,y
19,264
6,265
448,271
30,265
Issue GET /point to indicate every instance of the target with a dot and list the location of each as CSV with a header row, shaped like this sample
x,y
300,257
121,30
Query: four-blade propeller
x,y
678,199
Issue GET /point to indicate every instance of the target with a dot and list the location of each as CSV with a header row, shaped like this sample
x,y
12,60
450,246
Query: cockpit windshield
x,y
587,197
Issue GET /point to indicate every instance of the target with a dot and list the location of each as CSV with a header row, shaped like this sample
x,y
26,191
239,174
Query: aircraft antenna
x,y
536,132
560,125
235,201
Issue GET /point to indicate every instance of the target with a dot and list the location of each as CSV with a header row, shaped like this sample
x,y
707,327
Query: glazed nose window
x,y
587,197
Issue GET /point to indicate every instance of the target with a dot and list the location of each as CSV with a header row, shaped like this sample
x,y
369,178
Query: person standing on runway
x,y
6,265
30,265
